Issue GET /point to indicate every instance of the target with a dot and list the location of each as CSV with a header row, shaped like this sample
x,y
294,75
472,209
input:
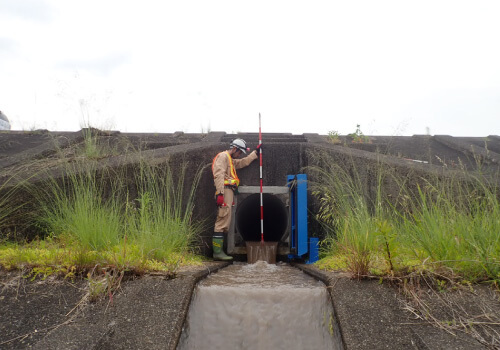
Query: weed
x,y
103,282
76,209
9,205
447,225
91,147
334,137
385,232
358,136
162,223
345,214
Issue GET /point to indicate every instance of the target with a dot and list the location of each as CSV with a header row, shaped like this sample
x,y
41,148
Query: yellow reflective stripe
x,y
235,180
233,170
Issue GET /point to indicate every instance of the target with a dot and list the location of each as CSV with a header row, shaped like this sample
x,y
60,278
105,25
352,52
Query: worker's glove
x,y
259,147
219,200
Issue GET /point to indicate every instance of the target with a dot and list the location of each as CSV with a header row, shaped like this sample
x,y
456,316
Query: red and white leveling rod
x,y
261,197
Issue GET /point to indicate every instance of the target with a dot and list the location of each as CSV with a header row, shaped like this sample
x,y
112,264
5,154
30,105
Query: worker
x,y
226,183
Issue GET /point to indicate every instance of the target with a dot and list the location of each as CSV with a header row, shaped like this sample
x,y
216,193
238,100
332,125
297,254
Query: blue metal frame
x,y
300,244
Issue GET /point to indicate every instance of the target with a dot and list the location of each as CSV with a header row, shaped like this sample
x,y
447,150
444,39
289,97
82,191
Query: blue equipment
x,y
301,245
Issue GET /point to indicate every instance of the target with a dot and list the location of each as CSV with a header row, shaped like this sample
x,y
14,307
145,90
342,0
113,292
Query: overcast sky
x,y
394,67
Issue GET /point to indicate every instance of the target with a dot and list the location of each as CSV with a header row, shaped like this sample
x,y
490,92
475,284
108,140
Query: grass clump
x,y
160,223
344,211
88,220
456,226
76,210
448,226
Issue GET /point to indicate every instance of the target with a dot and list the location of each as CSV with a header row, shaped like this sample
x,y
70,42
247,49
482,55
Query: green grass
x,y
457,228
449,226
75,208
161,223
88,220
344,211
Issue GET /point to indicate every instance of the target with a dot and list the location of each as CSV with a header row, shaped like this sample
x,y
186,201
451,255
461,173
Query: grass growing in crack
x,y
359,230
91,147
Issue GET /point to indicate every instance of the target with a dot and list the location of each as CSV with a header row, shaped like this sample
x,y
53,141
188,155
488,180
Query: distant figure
x,y
4,122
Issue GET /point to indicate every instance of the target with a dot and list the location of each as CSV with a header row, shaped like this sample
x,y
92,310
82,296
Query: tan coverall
x,y
222,171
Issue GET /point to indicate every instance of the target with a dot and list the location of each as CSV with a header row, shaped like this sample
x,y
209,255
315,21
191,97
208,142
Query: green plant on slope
x,y
162,222
358,136
447,225
345,213
86,217
334,137
94,147
386,235
76,208
456,226
91,147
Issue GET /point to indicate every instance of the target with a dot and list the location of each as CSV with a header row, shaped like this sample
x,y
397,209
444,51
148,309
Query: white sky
x,y
394,67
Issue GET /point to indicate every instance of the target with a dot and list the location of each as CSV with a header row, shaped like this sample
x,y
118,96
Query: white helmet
x,y
239,144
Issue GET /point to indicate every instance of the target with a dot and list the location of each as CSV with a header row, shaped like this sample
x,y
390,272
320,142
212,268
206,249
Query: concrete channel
x,y
260,306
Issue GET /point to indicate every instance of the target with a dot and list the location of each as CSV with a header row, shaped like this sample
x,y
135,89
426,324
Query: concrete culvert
x,y
247,218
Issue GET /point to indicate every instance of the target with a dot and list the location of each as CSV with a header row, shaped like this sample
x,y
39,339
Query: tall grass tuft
x,y
450,225
76,208
346,215
161,221
88,214
456,225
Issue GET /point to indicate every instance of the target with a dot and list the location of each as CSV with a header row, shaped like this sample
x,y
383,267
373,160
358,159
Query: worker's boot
x,y
217,245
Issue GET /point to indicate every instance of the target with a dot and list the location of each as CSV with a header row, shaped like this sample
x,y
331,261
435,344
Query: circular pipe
x,y
247,218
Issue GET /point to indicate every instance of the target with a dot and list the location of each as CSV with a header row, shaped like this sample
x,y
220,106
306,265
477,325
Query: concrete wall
x,y
412,158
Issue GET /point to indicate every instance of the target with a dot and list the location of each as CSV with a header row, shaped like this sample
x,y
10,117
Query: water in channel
x,y
260,306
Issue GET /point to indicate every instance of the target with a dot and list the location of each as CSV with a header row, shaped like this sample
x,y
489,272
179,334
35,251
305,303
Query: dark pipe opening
x,y
248,218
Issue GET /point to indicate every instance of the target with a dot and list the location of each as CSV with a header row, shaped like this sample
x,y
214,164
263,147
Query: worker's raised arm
x,y
243,162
